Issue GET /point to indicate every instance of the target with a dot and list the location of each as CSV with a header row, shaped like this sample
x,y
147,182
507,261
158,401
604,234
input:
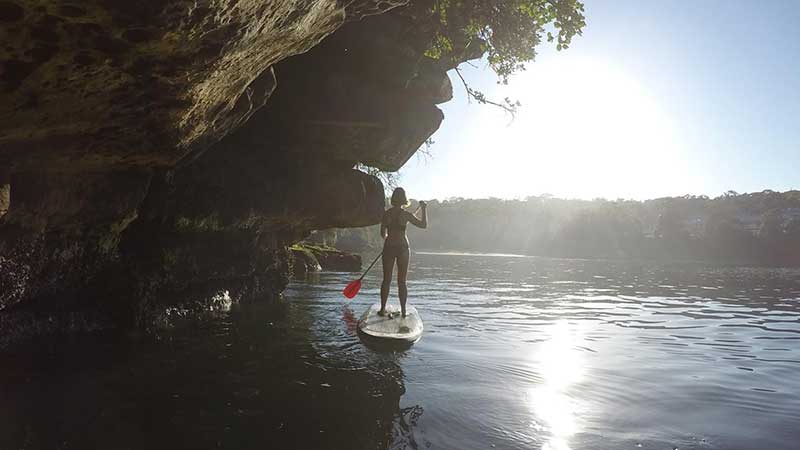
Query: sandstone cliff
x,y
154,154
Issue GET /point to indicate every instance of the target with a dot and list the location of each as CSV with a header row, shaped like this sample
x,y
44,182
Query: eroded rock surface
x,y
99,83
155,154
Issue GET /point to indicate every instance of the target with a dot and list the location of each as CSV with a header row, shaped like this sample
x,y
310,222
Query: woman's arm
x,y
383,226
419,223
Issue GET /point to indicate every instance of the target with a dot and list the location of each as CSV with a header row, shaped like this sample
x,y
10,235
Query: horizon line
x,y
729,193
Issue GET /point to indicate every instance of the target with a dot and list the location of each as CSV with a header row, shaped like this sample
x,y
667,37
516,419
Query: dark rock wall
x,y
115,82
154,155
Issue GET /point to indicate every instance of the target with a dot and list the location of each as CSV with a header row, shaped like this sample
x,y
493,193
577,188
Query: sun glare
x,y
561,366
585,129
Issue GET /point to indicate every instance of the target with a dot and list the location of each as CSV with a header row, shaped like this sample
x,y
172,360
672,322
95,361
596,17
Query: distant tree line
x,y
757,228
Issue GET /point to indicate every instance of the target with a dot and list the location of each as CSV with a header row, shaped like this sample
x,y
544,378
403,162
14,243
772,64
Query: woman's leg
x,y
403,257
388,267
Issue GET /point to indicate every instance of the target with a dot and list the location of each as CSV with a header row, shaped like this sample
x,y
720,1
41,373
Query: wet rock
x,y
312,258
5,198
304,262
339,261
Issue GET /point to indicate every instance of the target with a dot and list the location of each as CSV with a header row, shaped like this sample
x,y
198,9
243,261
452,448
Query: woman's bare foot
x,y
382,312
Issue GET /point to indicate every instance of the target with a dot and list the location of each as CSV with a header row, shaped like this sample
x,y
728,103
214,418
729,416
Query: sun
x,y
584,127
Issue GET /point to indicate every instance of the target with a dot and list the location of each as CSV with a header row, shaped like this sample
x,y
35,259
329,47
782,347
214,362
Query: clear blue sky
x,y
656,98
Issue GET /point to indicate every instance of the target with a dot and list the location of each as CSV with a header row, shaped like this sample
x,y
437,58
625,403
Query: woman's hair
x,y
399,197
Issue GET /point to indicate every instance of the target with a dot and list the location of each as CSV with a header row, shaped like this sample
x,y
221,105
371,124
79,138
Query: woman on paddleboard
x,y
395,245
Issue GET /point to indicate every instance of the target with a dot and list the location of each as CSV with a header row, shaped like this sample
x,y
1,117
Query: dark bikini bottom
x,y
395,251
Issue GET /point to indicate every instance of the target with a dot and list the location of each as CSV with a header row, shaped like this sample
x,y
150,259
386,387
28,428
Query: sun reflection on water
x,y
560,364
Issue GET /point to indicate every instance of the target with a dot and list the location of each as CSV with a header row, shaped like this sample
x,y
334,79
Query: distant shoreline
x,y
460,253
695,262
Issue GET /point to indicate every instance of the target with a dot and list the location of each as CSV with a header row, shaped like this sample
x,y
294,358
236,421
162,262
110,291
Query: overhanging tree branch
x,y
507,105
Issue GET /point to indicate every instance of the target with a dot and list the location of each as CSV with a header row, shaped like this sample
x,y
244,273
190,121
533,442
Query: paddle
x,y
352,288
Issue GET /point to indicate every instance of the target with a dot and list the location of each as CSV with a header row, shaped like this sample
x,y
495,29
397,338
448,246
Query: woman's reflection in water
x,y
399,432
350,320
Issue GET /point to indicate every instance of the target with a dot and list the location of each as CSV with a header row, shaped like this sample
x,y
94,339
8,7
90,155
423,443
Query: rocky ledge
x,y
155,154
309,258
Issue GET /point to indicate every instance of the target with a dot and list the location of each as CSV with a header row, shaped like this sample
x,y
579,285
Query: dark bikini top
x,y
395,223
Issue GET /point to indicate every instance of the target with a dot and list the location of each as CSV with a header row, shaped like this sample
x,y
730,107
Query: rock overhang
x,y
172,149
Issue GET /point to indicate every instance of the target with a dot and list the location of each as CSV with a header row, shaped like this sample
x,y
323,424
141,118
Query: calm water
x,y
521,353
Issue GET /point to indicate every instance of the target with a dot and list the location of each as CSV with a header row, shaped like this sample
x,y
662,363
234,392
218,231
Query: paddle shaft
x,y
370,266
380,254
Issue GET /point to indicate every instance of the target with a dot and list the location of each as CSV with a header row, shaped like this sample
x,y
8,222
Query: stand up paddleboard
x,y
391,328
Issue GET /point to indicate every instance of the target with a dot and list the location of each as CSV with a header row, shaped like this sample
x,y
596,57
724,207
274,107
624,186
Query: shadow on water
x,y
250,378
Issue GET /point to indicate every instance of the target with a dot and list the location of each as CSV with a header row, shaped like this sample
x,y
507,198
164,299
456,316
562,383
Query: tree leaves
x,y
508,32
509,29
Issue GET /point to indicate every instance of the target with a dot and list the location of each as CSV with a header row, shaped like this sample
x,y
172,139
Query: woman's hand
x,y
423,204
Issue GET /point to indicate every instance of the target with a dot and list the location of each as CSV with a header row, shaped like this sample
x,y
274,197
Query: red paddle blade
x,y
352,289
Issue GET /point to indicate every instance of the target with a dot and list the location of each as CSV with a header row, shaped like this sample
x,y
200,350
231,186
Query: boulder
x,y
304,262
